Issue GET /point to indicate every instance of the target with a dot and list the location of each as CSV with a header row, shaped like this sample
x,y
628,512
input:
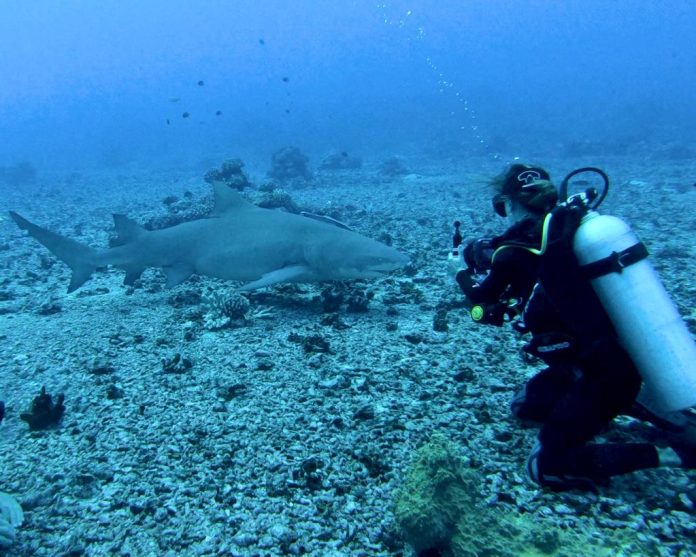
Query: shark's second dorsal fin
x,y
127,230
327,220
227,199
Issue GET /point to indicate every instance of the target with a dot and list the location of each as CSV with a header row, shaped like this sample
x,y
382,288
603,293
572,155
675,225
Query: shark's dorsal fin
x,y
227,199
327,220
127,230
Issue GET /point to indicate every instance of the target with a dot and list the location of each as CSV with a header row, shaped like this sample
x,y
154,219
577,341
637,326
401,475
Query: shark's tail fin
x,y
80,258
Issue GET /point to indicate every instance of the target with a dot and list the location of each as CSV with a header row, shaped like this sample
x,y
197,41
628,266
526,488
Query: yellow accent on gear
x,y
477,313
542,247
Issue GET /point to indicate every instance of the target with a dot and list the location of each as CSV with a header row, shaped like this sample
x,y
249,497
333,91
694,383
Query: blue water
x,y
123,106
93,83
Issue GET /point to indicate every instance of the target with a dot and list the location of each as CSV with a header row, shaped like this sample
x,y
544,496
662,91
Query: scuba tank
x,y
647,323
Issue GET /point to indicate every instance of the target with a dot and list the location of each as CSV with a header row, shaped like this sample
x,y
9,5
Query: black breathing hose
x,y
563,190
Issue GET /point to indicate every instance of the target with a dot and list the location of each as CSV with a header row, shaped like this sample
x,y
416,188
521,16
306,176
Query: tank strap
x,y
616,262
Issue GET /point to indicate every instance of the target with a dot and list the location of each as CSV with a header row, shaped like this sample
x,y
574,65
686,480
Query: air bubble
x,y
412,33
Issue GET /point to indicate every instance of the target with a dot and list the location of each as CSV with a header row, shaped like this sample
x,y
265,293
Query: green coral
x,y
439,507
440,491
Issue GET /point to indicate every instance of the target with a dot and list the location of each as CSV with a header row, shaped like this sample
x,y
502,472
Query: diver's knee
x,y
528,413
518,402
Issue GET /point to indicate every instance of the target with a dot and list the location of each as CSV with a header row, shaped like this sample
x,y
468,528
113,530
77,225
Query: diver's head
x,y
524,192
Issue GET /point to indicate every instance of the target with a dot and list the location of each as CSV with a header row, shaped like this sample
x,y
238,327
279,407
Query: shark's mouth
x,y
381,270
378,269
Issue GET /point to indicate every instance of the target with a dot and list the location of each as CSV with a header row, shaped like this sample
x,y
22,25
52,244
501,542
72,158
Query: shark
x,y
238,241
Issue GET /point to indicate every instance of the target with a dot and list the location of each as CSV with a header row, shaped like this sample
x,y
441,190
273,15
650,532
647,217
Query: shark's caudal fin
x,y
80,258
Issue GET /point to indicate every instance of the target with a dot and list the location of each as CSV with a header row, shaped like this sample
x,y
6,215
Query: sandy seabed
x,y
291,431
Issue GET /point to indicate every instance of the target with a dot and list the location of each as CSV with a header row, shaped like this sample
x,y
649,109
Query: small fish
x,y
174,99
218,113
262,42
201,83
185,115
287,111
168,122
286,79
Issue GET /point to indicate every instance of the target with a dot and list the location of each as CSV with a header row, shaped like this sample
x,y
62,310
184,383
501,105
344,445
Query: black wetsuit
x,y
590,379
514,268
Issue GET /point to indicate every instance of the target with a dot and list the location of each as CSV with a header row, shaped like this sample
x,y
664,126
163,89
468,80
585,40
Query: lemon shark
x,y
238,241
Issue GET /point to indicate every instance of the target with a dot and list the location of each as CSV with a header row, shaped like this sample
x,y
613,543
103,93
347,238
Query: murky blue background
x,y
88,83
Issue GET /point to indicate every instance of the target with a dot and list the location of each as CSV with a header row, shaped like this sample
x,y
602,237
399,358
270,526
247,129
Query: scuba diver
x,y
600,320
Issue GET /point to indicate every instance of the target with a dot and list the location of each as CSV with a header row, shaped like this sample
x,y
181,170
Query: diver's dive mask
x,y
502,205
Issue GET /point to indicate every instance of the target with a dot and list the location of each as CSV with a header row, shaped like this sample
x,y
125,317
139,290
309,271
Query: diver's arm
x,y
490,289
503,292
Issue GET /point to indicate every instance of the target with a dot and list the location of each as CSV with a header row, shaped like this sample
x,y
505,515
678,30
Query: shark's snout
x,y
386,261
356,257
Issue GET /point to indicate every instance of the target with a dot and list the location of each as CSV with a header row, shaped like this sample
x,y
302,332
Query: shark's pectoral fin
x,y
293,273
132,275
79,276
176,274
